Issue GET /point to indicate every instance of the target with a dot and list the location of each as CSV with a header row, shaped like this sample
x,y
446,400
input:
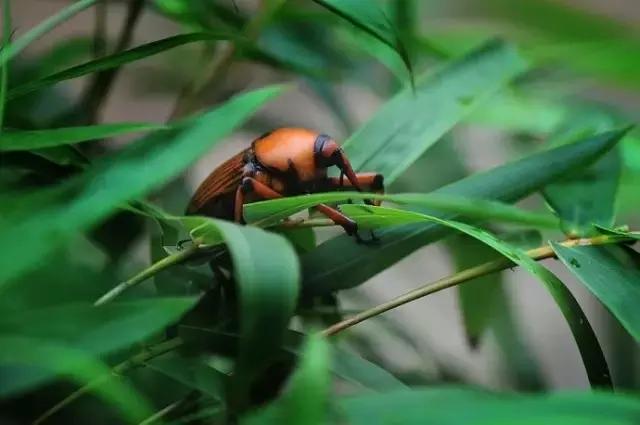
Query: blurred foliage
x,y
117,308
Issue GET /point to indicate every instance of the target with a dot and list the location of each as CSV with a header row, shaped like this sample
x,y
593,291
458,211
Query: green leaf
x,y
65,53
477,298
43,28
560,20
571,36
37,139
266,213
267,276
443,406
303,239
361,372
412,121
71,363
4,68
351,367
610,274
191,372
324,271
587,197
115,60
344,364
48,218
516,355
306,399
590,349
99,330
609,231
520,112
371,19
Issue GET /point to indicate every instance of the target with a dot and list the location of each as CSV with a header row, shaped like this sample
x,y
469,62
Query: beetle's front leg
x,y
251,185
373,181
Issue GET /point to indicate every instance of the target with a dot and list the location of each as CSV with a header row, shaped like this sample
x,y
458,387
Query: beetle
x,y
283,162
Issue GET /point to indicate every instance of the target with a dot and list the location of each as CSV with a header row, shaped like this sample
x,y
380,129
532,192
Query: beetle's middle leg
x,y
349,225
251,185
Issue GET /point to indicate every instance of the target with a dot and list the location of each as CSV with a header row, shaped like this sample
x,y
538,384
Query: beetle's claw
x,y
371,241
181,243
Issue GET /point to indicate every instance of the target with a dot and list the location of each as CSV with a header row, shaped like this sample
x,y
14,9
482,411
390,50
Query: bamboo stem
x,y
138,359
537,254
155,268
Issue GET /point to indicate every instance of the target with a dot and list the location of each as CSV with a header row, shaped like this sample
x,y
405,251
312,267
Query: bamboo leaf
x,y
38,139
97,330
48,218
306,399
412,121
266,272
192,372
442,406
478,299
590,350
611,275
324,271
71,363
43,28
587,197
266,213
115,60
371,19
619,232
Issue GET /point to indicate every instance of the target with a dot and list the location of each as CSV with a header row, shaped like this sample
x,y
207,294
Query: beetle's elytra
x,y
283,162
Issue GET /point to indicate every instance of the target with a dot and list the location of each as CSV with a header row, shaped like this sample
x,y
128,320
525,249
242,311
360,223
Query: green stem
x,y
102,82
4,68
100,30
537,254
154,269
137,360
214,71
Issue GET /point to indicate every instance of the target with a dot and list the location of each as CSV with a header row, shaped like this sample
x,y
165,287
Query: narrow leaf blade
x,y
407,125
59,360
43,28
114,60
324,272
39,139
79,202
590,350
611,276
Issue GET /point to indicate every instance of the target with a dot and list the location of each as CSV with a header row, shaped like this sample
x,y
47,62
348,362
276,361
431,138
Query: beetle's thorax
x,y
289,154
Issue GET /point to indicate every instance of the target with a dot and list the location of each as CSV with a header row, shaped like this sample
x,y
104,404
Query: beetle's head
x,y
329,153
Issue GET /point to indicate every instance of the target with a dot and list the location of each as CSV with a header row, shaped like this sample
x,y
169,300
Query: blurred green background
x,y
586,57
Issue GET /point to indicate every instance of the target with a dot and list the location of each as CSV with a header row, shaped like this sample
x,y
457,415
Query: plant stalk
x,y
537,254
144,356
216,69
155,268
101,83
